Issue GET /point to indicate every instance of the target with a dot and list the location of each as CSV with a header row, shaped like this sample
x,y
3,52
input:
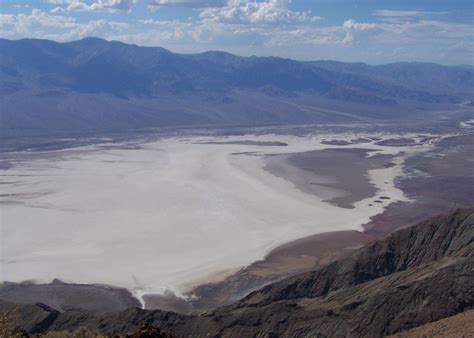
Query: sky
x,y
370,31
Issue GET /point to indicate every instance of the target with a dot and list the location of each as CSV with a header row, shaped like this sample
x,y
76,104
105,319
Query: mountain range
x,y
93,86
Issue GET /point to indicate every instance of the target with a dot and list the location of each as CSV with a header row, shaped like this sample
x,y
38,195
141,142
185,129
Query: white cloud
x,y
57,9
356,31
6,19
404,14
96,5
188,3
42,25
126,5
57,2
252,12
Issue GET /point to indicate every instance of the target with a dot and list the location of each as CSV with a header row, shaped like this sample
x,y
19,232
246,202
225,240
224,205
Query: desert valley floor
x,y
173,212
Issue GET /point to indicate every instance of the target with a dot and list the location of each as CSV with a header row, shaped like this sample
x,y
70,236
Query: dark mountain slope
x,y
94,86
406,249
415,276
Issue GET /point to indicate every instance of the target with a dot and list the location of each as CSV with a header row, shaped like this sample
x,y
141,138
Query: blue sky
x,y
370,31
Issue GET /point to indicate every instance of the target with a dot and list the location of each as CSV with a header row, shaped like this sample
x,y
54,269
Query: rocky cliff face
x,y
411,248
415,276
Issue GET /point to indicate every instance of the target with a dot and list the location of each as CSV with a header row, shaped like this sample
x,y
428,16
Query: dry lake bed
x,y
174,212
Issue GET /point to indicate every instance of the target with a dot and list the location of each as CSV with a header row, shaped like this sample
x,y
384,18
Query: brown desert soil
x,y
458,326
339,176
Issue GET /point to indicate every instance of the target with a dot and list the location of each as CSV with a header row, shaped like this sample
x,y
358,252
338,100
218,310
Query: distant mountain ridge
x,y
92,83
423,76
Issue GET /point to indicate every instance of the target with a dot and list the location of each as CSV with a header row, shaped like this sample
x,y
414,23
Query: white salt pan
x,y
163,216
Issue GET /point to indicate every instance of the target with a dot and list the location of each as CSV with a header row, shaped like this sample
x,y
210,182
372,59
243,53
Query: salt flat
x,y
164,214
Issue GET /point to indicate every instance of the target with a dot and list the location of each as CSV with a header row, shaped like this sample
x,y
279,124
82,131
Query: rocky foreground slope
x,y
415,276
